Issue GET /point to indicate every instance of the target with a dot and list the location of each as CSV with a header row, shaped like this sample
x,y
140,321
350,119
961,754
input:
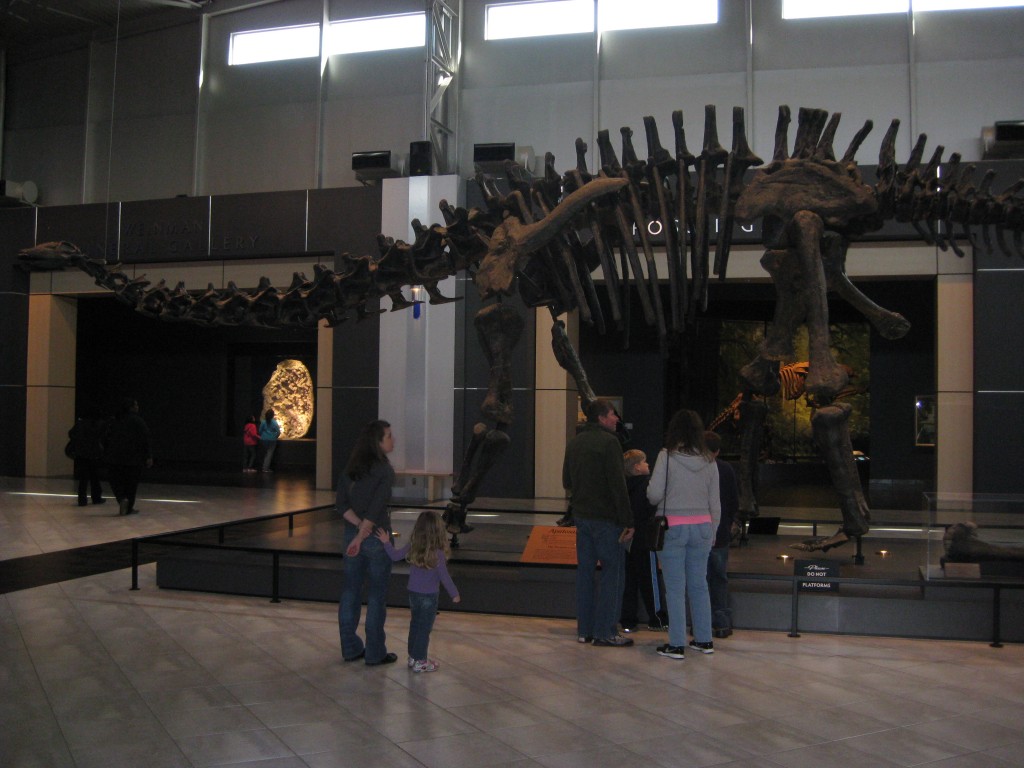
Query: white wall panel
x,y
135,172
417,362
545,117
51,156
831,43
969,35
263,149
677,51
956,99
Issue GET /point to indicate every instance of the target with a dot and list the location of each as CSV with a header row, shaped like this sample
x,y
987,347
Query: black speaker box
x,y
1009,130
764,526
362,161
494,153
421,160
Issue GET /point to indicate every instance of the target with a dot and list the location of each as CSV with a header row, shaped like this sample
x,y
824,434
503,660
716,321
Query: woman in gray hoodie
x,y
684,487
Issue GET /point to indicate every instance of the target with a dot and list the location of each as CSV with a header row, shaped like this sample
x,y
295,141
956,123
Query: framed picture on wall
x,y
925,421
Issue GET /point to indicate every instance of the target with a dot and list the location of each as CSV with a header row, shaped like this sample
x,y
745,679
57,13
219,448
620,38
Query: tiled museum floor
x,y
93,674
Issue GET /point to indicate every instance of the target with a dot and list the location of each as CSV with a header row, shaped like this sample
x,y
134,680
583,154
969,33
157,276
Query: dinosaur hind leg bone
x,y
830,425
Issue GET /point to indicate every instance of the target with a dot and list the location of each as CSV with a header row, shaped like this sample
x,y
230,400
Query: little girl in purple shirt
x,y
427,554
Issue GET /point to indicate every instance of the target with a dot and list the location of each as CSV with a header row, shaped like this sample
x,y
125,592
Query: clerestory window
x,y
816,9
566,17
260,45
378,33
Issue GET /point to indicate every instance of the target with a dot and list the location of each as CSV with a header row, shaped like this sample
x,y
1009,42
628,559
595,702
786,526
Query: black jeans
x,y
87,471
124,481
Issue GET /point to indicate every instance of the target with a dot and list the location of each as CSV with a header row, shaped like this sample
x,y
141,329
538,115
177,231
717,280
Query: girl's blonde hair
x,y
428,536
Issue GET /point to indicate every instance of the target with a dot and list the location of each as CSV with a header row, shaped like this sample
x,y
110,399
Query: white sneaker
x,y
426,665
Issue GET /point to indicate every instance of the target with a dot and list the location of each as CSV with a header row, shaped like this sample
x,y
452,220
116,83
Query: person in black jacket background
x,y
85,446
127,451
642,575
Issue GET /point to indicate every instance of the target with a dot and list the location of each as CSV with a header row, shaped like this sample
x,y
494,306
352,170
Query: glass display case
x,y
974,536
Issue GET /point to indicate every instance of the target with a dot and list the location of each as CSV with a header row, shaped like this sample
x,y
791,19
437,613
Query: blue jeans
x,y
268,447
372,566
684,562
598,594
718,586
424,610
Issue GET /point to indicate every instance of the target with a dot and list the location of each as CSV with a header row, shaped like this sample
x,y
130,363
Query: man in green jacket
x,y
592,473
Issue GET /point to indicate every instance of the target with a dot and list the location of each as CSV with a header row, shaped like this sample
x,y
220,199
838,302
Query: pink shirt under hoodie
x,y
691,493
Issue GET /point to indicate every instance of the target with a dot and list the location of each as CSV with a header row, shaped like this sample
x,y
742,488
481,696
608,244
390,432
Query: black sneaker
x,y
584,639
629,628
702,647
617,641
390,658
672,651
658,626
720,633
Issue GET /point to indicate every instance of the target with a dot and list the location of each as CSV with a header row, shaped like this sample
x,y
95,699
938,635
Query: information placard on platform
x,y
550,544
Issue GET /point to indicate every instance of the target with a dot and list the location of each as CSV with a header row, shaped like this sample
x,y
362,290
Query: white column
x,y
954,444
324,405
555,407
50,379
417,355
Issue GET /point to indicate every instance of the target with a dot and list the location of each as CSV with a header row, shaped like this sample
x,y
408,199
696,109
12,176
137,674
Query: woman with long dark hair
x,y
364,490
684,484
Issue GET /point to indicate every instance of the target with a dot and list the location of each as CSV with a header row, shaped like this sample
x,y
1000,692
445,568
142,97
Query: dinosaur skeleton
x,y
546,237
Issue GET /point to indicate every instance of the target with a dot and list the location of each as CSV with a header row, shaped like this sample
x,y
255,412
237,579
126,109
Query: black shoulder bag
x,y
658,524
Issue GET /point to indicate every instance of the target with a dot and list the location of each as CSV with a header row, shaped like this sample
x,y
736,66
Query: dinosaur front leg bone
x,y
752,417
825,378
830,426
498,329
567,358
484,449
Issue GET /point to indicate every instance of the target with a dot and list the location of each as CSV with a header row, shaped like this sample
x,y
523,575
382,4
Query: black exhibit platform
x,y
298,558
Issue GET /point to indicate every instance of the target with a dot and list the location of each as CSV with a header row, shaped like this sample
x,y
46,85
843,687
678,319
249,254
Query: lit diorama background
x,y
280,381
788,427
195,386
289,392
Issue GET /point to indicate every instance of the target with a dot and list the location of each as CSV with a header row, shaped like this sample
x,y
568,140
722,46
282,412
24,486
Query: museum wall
x,y
286,125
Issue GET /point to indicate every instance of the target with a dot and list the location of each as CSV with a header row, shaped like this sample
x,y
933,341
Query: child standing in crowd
x,y
250,439
642,574
427,553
